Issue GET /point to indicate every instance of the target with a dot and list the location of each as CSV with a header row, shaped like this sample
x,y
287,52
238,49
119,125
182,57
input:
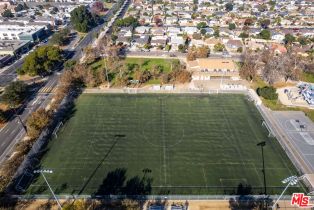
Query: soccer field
x,y
162,144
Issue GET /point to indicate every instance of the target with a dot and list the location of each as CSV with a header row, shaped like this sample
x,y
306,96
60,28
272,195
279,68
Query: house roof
x,y
278,47
208,63
212,41
235,43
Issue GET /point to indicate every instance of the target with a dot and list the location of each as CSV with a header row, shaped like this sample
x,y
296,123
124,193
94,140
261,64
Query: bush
x,y
267,92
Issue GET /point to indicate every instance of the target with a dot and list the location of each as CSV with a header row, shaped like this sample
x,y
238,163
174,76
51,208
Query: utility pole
x,y
49,172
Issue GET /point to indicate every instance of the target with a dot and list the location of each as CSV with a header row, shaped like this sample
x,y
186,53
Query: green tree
x,y
182,48
216,32
303,40
229,7
60,38
69,64
265,34
7,13
168,47
289,38
264,23
232,26
128,21
219,47
42,60
244,35
203,31
82,19
20,7
14,93
201,25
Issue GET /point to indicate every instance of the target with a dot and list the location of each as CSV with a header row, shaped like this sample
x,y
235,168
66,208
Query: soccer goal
x,y
270,133
131,90
55,131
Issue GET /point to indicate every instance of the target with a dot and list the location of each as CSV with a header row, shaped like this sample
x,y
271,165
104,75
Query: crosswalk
x,y
47,90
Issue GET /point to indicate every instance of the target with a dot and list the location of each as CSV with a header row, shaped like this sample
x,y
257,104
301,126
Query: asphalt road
x,y
163,54
13,131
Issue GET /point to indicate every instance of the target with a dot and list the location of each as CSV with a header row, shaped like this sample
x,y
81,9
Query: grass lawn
x,y
182,144
307,77
148,63
144,63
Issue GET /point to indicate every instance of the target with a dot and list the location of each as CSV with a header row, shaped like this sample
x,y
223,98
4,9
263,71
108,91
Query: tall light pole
x,y
42,172
262,144
292,180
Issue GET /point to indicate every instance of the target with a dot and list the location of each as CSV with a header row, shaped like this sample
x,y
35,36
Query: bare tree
x,y
273,69
250,65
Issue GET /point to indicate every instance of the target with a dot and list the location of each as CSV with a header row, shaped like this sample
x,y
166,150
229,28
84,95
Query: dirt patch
x,y
193,205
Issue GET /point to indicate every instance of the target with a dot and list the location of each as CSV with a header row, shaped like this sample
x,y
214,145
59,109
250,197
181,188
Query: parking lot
x,y
300,132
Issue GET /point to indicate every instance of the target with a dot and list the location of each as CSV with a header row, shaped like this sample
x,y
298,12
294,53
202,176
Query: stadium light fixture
x,y
48,171
292,180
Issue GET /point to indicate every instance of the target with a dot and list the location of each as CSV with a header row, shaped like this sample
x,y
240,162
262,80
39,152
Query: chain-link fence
x,y
157,197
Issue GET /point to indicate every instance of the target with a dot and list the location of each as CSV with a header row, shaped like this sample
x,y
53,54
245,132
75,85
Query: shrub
x,y
267,92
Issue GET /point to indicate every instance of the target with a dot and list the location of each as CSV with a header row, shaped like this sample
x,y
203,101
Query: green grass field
x,y
148,63
162,144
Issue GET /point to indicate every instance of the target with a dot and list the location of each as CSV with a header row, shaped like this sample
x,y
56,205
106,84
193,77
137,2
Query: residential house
x,y
174,31
233,45
142,30
158,31
254,45
190,30
175,41
197,42
211,42
159,41
278,37
140,41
